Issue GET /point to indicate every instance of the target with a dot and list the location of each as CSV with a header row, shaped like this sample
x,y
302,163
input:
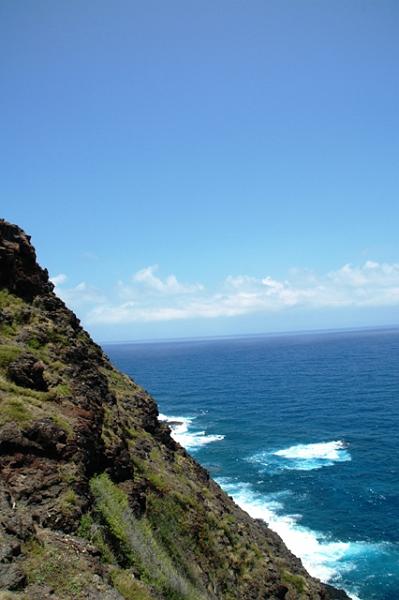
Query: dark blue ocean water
x,y
303,431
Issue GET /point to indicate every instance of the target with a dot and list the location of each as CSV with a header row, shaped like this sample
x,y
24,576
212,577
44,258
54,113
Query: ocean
x,y
302,431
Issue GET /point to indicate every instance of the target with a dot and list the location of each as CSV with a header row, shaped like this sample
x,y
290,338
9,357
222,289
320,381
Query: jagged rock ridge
x,y
97,501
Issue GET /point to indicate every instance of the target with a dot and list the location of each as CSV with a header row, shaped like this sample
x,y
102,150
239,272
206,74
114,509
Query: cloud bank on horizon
x,y
147,297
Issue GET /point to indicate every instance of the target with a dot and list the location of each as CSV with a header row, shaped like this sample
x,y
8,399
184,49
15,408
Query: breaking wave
x,y
303,457
184,433
323,557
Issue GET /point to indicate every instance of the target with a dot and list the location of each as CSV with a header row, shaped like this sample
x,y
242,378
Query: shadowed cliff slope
x,y
96,499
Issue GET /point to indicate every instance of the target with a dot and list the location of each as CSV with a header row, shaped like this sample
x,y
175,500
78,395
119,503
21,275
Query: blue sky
x,y
206,168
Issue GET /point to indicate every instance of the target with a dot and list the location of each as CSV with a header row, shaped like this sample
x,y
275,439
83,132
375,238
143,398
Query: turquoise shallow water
x,y
303,431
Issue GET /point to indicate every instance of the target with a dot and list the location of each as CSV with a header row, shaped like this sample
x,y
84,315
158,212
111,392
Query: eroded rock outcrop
x,y
96,499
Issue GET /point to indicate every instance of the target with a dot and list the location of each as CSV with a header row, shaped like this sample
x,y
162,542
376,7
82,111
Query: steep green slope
x,y
96,499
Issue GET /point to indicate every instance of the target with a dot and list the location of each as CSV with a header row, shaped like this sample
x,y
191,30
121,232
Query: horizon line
x,y
292,332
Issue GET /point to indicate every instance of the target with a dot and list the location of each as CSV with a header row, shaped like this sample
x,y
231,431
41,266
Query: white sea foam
x,y
323,450
184,433
304,457
322,557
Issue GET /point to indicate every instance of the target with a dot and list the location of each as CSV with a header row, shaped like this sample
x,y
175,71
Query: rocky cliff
x,y
96,499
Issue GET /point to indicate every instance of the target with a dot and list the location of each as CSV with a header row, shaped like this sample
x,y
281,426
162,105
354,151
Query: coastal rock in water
x,y
96,499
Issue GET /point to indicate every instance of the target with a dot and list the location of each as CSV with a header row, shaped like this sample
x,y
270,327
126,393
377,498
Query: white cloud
x,y
370,274
77,296
148,297
58,279
169,285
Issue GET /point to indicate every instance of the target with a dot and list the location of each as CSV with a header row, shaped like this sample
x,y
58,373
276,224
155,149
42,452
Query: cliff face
x,y
96,499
